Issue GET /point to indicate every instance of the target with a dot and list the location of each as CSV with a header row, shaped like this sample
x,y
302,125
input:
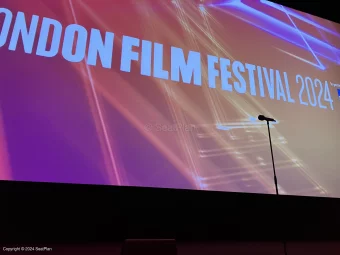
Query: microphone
x,y
262,118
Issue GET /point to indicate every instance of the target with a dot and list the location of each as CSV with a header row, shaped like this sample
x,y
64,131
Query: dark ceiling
x,y
326,9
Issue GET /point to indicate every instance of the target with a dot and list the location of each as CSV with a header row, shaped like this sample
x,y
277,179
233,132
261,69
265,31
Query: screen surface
x,y
162,93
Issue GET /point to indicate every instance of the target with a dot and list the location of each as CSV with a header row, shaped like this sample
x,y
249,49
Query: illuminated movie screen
x,y
166,93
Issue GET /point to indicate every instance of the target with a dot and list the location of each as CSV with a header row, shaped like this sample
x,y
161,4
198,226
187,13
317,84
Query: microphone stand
x,y
275,178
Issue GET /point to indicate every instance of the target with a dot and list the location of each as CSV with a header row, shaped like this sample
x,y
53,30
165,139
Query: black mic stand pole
x,y
275,178
271,151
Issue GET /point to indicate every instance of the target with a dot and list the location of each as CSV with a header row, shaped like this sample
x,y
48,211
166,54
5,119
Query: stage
x,y
61,213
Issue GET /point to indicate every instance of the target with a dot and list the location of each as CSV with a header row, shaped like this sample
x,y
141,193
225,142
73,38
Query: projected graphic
x,y
166,93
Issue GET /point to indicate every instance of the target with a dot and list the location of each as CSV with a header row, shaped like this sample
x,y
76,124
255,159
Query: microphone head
x,y
261,117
